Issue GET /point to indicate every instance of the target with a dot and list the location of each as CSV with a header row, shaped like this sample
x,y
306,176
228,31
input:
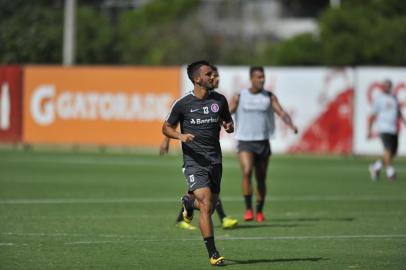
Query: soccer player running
x,y
227,222
254,110
201,113
385,116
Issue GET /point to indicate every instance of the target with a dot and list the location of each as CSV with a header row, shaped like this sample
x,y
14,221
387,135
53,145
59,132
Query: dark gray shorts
x,y
390,142
259,148
199,177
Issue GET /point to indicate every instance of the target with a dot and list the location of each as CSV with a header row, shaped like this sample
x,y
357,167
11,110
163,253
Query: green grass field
x,y
66,210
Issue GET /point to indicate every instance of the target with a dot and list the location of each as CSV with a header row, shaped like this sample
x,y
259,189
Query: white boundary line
x,y
151,161
261,238
132,238
174,200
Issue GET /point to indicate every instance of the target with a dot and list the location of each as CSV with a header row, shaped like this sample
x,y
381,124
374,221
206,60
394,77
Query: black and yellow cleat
x,y
186,226
229,223
217,260
187,209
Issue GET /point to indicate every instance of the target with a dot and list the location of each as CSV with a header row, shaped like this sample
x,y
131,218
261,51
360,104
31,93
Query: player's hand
x,y
186,137
164,148
228,127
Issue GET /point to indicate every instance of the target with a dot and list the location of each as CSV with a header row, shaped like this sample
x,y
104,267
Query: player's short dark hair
x,y
387,81
256,68
214,68
194,67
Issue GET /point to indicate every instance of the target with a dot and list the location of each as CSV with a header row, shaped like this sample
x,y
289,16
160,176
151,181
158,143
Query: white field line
x,y
133,238
260,238
137,161
174,200
7,244
257,238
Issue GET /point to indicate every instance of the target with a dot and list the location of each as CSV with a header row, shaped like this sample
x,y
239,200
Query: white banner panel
x,y
368,84
319,101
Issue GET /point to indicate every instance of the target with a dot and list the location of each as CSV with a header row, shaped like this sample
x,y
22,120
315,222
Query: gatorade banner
x,y
319,100
97,105
369,84
10,103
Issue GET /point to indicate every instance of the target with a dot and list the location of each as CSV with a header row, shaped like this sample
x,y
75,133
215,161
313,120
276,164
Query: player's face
x,y
258,80
216,79
206,78
387,86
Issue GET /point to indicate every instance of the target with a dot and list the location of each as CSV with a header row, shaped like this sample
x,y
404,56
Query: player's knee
x,y
206,206
261,183
247,173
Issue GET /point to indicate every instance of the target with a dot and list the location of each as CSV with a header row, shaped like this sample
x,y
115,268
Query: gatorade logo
x,y
48,105
4,107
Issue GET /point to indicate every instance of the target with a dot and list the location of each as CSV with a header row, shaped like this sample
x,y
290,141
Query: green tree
x,y
161,32
95,38
303,49
30,32
369,34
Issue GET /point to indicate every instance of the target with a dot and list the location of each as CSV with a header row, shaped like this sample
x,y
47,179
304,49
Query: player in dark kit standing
x,y
201,113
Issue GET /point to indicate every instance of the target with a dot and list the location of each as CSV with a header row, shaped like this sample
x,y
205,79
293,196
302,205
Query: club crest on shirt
x,y
214,107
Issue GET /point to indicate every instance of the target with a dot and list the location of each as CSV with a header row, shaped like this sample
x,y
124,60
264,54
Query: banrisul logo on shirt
x,y
199,121
214,107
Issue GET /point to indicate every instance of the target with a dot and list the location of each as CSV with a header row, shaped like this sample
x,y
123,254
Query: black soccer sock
x,y
211,247
260,205
190,203
248,201
180,216
220,210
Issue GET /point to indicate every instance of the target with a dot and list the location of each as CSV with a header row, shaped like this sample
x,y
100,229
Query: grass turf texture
x,y
63,210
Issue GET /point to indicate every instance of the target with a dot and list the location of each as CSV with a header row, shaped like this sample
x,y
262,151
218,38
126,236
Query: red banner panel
x,y
10,103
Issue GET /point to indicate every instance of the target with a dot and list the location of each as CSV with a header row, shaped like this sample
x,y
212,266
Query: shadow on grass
x,y
281,260
263,225
349,219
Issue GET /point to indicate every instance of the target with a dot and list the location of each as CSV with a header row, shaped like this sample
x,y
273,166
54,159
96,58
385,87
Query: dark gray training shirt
x,y
201,118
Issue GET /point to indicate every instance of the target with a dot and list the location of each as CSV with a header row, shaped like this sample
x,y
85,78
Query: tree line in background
x,y
369,32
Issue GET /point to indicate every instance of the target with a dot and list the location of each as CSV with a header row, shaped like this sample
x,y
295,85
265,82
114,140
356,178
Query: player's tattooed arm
x,y
170,131
282,114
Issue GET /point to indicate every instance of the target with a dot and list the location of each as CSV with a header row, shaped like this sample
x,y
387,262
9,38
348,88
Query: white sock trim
x,y
390,171
378,165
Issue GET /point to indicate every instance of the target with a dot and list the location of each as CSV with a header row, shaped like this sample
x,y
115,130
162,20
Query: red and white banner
x,y
319,100
369,83
10,103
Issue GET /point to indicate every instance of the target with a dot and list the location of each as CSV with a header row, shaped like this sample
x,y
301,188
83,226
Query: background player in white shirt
x,y
384,120
254,114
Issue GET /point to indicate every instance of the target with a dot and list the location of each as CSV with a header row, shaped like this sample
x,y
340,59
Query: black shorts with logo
x,y
390,142
199,177
261,149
